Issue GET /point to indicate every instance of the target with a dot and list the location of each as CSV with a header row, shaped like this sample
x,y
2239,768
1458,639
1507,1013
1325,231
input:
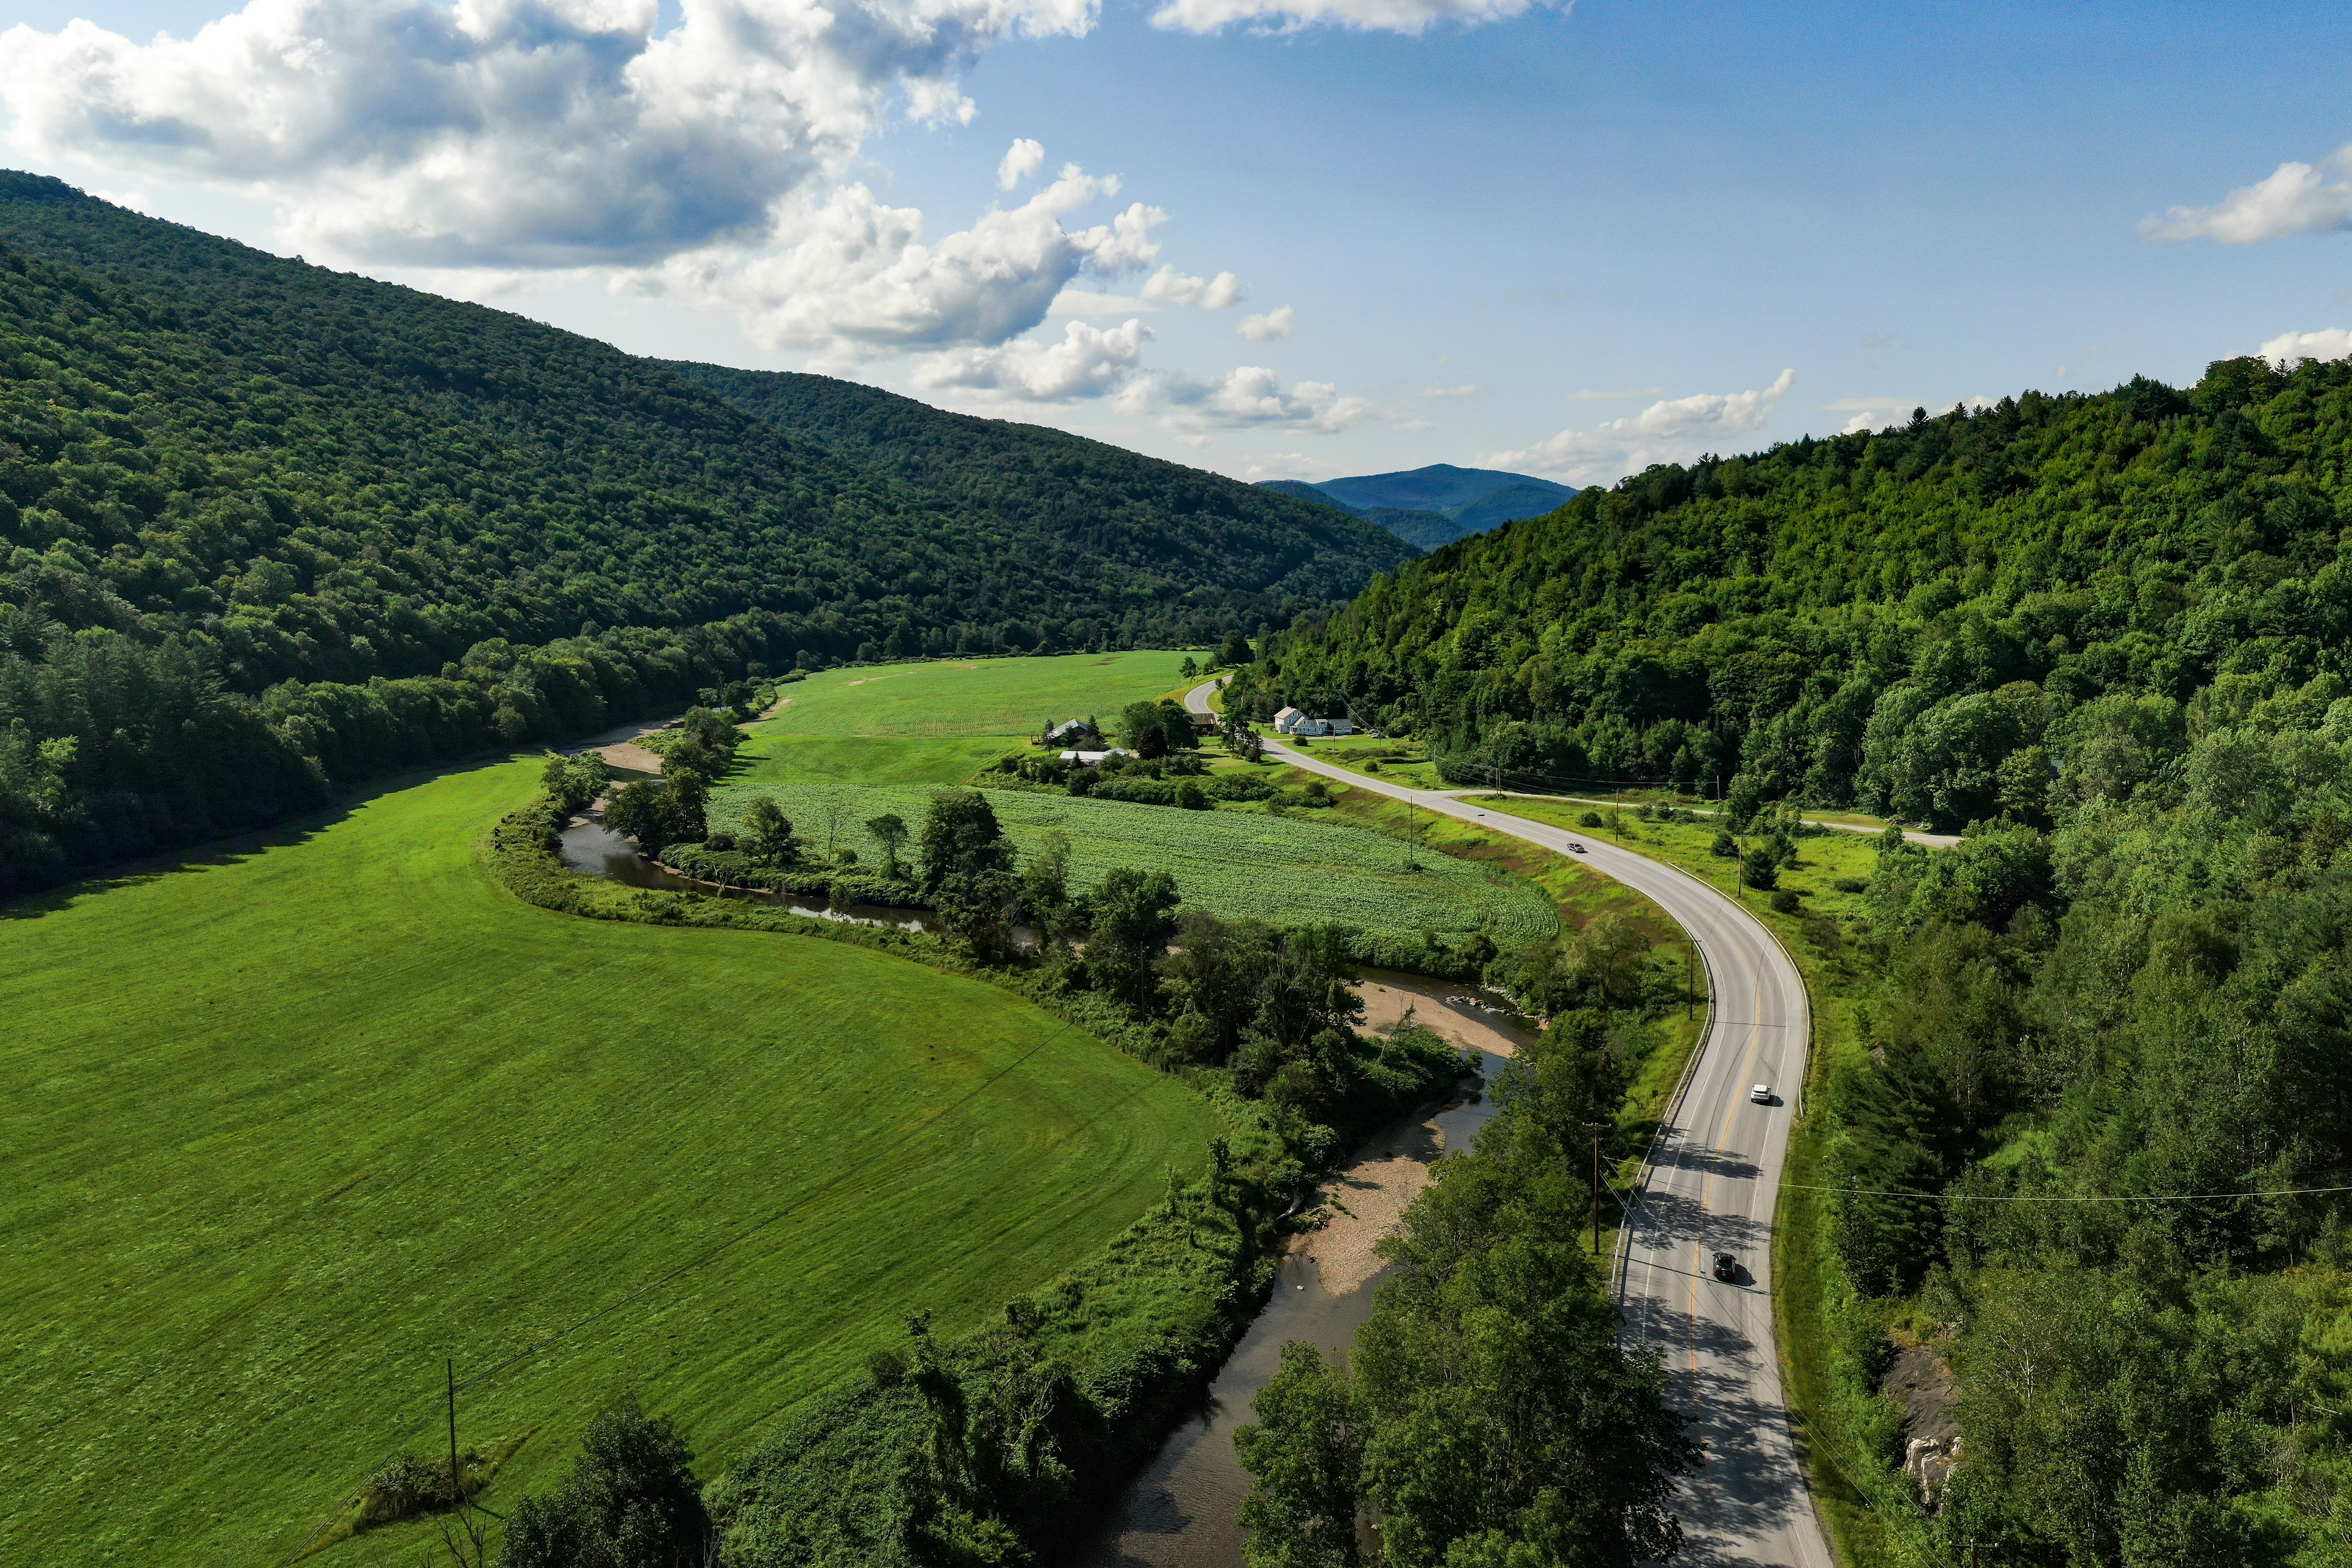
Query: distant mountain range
x,y
1436,505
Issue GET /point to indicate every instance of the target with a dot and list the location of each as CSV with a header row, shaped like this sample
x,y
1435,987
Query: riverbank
x,y
1184,1510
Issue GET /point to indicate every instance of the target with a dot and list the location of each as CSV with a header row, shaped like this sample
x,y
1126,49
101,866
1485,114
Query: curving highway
x,y
1708,1186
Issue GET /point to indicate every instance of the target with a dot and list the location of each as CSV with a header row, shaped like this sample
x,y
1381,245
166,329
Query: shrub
x,y
1823,933
1724,846
1851,884
407,1487
630,1501
1786,902
1761,868
1189,796
1590,820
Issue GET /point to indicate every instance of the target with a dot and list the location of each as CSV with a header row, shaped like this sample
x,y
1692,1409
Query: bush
x,y
410,1487
1761,867
1785,903
1189,796
1724,846
1590,820
1823,933
630,1501
1851,884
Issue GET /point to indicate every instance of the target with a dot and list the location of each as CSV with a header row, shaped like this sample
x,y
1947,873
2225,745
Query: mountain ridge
x,y
1433,506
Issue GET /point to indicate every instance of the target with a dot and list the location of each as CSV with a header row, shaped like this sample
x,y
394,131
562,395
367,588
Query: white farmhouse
x,y
1070,731
1292,721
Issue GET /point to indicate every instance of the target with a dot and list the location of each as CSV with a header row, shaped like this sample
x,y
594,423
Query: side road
x,y
1708,1187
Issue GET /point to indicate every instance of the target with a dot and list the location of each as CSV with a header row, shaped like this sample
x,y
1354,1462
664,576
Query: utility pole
x,y
1690,986
1597,1129
1596,1195
457,1481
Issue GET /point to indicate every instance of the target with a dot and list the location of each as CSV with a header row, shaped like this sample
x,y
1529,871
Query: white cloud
x,y
1667,431
2297,198
1244,396
1872,413
1022,159
1087,362
1880,412
1369,16
1467,389
1077,301
1266,328
1281,466
1595,394
2291,349
1180,289
854,277
510,133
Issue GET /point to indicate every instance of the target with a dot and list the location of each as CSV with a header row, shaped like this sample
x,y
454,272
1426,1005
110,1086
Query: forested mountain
x,y
1167,527
2088,1145
1435,505
1882,620
264,527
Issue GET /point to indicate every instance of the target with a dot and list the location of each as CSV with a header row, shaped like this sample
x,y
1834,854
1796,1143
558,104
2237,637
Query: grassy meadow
x,y
851,744
289,1122
1013,697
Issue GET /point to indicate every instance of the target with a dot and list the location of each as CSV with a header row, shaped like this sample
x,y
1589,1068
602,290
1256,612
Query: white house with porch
x,y
1293,722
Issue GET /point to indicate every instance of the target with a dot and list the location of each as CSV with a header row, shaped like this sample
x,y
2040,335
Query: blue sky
x,y
1567,240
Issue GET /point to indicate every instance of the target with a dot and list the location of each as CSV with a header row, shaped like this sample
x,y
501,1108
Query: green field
x,y
852,745
1288,870
288,1125
1008,697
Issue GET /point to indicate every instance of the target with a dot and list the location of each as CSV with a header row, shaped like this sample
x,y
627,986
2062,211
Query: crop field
x,y
289,1123
1289,870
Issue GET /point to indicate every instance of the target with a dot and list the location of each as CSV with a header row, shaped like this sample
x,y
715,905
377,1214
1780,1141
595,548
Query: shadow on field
x,y
235,848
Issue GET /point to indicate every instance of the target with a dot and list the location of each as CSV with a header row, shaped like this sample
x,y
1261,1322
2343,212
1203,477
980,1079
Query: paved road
x,y
1708,1186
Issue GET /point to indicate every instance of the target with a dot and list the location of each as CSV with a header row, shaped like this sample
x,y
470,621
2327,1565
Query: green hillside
x,y
266,528
1881,620
2072,1193
1165,523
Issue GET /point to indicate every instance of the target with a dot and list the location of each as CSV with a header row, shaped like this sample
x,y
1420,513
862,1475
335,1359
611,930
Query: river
x,y
589,846
1184,1510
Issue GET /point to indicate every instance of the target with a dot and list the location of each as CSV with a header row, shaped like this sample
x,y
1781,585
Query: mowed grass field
x,y
852,745
286,1127
961,698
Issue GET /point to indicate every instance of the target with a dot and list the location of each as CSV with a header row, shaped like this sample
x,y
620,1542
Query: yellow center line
x,y
1707,1187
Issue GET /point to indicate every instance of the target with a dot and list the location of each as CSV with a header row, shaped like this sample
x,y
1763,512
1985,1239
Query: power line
x,y
707,1256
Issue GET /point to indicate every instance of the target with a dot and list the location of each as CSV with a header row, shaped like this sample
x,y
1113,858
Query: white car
x,y
1574,846
1762,1094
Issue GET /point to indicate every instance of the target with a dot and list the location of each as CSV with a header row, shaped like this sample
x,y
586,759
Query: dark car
x,y
1725,1266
